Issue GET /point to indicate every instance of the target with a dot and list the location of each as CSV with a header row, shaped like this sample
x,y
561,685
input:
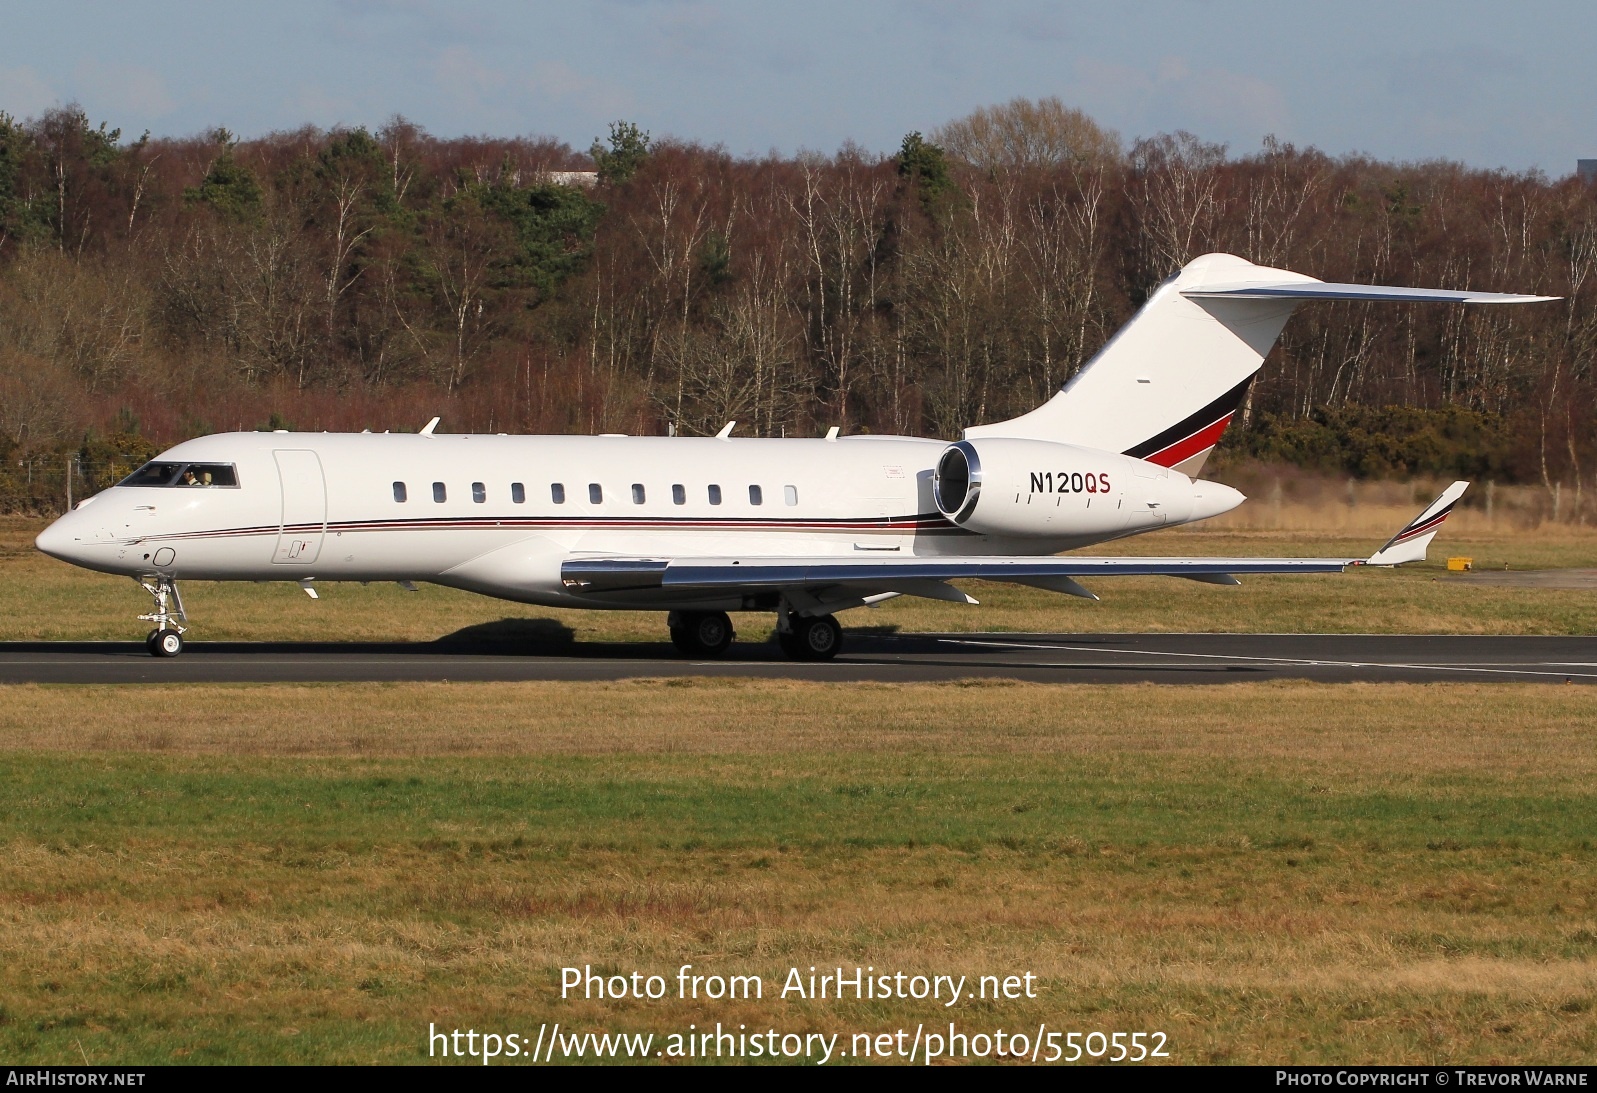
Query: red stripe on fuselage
x,y
921,524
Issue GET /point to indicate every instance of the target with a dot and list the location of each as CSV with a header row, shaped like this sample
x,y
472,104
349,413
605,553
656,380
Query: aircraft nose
x,y
58,539
1211,499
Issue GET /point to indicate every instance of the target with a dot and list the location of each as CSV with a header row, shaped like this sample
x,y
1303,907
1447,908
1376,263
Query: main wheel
x,y
703,633
164,643
788,642
813,639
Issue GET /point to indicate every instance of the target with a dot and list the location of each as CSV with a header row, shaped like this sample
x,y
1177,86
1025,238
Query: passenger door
x,y
304,512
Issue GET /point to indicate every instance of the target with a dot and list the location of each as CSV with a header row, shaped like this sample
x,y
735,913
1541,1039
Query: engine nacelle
x,y
1039,489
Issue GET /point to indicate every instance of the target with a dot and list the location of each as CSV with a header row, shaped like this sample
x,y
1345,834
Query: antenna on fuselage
x,y
726,431
427,429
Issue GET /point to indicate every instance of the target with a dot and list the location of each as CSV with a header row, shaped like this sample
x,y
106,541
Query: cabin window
x,y
557,492
595,493
679,495
439,493
637,493
479,492
399,492
518,493
755,496
790,494
715,495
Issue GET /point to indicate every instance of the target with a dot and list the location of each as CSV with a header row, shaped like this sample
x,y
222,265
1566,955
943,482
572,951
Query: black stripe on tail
x,y
1221,407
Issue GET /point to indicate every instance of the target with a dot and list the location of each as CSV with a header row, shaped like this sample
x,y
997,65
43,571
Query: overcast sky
x,y
1492,84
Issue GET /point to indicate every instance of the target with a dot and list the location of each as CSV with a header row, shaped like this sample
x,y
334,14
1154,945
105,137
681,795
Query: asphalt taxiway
x,y
1044,658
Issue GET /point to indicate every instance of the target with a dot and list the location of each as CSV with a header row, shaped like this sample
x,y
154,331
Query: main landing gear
x,y
709,634
818,637
166,640
701,633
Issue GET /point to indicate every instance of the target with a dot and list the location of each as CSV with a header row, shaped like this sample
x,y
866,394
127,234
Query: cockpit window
x,y
153,474
162,473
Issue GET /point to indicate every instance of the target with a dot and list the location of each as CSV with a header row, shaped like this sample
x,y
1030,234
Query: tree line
x,y
158,288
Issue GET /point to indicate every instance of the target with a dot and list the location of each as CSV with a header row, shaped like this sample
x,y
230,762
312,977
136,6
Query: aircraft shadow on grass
x,y
550,637
530,636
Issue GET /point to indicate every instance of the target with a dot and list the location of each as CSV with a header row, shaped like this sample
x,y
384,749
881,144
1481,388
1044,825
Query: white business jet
x,y
703,526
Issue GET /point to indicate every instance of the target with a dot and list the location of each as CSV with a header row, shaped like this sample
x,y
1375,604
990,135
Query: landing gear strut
x,y
701,633
816,638
166,640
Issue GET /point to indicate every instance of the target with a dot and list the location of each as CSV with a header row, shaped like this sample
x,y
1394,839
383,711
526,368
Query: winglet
x,y
1409,545
427,429
726,431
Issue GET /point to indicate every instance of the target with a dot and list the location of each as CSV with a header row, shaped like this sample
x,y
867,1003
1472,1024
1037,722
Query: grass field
x,y
1265,873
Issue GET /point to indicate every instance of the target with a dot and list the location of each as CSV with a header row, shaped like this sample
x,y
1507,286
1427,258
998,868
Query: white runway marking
x,y
1394,665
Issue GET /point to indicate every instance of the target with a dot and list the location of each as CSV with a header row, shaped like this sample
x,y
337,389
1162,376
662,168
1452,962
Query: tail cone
x,y
1211,499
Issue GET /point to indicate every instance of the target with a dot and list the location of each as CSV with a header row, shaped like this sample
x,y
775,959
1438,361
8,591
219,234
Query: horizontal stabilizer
x,y
1322,290
1410,544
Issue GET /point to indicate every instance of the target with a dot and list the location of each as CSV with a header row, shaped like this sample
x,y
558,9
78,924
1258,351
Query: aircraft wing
x,y
856,580
831,583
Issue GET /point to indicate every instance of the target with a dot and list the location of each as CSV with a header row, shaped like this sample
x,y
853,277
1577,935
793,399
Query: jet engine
x,y
1040,489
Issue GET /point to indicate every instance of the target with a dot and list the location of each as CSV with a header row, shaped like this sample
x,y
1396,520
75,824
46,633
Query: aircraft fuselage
x,y
500,514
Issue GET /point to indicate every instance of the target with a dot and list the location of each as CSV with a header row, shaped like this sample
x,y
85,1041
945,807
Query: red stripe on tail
x,y
1190,446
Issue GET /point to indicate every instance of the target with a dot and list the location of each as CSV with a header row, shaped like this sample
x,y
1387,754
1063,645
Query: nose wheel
x,y
164,643
166,640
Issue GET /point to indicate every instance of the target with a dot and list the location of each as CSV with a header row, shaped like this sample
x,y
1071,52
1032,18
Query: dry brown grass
x,y
1296,871
1520,731
291,963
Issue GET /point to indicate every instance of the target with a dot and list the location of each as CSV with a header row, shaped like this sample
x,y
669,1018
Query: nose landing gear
x,y
166,640
164,643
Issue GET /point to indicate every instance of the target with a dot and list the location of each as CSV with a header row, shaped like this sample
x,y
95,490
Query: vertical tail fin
x,y
1167,384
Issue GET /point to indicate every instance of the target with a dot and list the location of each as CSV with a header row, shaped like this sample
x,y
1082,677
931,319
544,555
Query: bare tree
x,y
463,242
1064,246
1023,134
839,217
1175,194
